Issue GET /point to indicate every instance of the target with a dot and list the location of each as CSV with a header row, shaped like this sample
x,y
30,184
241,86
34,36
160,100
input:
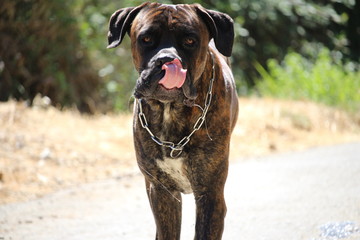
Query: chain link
x,y
176,149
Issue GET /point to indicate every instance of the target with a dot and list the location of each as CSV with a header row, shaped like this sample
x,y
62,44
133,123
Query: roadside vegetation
x,y
321,80
303,49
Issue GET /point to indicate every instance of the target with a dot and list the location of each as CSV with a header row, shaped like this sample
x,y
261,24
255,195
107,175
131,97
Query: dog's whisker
x,y
154,178
207,131
131,102
206,127
197,105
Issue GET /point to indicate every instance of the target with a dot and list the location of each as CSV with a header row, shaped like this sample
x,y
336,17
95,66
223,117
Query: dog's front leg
x,y
209,196
166,207
210,215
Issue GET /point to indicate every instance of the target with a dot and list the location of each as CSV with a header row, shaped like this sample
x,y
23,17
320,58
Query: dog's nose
x,y
162,60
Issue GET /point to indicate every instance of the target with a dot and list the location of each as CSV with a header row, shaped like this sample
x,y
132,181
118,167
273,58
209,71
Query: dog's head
x,y
170,46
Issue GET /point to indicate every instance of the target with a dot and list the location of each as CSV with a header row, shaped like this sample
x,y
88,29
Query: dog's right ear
x,y
120,23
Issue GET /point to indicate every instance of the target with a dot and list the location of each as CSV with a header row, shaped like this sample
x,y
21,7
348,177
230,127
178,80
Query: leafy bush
x,y
58,48
264,29
114,66
40,52
322,81
268,29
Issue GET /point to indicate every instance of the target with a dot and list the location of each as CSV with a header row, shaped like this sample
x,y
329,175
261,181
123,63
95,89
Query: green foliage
x,y
264,29
40,52
114,66
322,81
268,29
58,48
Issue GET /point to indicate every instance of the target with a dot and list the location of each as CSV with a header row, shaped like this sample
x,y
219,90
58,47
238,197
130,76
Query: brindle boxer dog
x,y
185,111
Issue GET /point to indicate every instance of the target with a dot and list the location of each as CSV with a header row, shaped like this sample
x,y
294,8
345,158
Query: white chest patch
x,y
174,167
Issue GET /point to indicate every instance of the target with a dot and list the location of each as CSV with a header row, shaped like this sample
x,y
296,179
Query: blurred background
x,y
296,65
299,49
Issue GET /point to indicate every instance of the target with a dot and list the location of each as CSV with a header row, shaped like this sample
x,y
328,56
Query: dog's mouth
x,y
167,82
162,74
160,92
174,75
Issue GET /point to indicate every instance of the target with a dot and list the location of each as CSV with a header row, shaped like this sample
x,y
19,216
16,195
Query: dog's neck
x,y
167,115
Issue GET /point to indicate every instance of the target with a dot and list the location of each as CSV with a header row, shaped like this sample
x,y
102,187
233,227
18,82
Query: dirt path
x,y
308,195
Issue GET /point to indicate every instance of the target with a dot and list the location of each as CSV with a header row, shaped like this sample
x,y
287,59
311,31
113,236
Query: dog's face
x,y
158,36
169,46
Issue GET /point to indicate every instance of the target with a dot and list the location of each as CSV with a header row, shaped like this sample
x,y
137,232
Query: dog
x,y
185,111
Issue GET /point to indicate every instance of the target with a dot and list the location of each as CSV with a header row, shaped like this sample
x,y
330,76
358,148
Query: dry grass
x,y
43,150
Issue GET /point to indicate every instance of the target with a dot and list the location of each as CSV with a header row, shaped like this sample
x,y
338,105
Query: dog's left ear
x,y
221,28
120,23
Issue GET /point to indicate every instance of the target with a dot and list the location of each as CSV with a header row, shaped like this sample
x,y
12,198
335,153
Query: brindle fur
x,y
205,157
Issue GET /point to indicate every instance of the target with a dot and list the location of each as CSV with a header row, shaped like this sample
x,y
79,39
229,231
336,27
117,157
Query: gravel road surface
x,y
310,195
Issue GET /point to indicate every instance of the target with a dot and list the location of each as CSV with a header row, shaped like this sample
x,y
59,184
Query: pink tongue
x,y
174,74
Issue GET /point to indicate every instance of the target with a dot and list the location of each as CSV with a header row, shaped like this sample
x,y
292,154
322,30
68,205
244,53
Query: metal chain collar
x,y
176,149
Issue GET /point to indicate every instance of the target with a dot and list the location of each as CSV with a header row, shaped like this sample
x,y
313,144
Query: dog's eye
x,y
189,42
146,39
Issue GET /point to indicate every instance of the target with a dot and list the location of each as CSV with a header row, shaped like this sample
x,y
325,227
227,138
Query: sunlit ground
x,y
43,150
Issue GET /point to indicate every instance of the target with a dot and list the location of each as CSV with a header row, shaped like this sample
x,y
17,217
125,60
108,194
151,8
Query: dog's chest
x,y
174,168
176,171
